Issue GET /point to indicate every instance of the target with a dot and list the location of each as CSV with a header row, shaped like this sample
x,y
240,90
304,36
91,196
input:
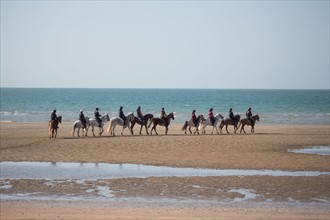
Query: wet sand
x,y
266,149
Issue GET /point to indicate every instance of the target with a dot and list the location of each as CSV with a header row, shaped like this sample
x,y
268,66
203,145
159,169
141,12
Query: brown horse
x,y
146,118
161,122
52,127
246,121
229,121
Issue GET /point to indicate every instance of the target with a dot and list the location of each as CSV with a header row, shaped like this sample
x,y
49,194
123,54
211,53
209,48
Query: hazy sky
x,y
165,44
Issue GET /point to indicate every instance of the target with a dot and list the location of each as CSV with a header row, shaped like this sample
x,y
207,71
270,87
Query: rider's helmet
x,y
194,110
211,109
81,111
139,107
97,108
230,109
54,111
121,107
163,109
249,109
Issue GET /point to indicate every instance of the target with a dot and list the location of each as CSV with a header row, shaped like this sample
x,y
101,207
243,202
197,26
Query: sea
x,y
294,107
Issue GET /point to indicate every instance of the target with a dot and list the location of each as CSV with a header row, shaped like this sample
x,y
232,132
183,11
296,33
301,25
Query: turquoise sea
x,y
273,106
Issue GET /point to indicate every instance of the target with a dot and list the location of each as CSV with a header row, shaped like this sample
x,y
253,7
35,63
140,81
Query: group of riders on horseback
x,y
230,115
163,120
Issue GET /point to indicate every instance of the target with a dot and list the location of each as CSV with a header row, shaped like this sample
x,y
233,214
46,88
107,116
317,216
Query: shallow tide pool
x,y
93,171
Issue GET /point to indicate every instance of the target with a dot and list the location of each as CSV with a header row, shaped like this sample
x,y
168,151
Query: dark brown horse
x,y
161,122
52,127
246,121
146,118
229,121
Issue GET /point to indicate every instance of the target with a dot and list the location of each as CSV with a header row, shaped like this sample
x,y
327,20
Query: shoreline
x,y
237,197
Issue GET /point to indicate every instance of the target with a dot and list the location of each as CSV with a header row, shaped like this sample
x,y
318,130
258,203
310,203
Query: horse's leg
x,y
243,128
146,128
227,128
190,129
93,130
154,127
141,128
216,128
252,129
220,127
78,132
101,130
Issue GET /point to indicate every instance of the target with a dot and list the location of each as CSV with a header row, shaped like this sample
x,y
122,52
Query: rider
x,y
82,118
194,118
139,114
249,116
231,115
53,117
121,114
211,116
163,116
97,116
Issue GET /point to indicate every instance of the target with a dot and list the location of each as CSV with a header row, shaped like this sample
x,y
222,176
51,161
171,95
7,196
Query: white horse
x,y
190,124
94,122
118,121
78,124
203,124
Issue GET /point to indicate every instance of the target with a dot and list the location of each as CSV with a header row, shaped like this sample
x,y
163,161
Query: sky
x,y
165,44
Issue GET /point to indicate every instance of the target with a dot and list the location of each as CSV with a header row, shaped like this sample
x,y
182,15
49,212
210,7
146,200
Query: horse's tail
x,y
184,127
110,126
150,122
74,129
240,123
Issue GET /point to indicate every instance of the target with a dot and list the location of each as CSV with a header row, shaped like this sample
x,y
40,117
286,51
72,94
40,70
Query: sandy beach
x,y
192,197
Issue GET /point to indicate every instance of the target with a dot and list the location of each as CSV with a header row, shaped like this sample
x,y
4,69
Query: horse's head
x,y
171,115
130,116
59,118
106,117
201,118
256,117
218,116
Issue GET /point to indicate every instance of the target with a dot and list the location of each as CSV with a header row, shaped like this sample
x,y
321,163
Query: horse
x,y
203,124
229,121
190,124
118,121
146,119
79,125
161,122
52,127
246,121
94,122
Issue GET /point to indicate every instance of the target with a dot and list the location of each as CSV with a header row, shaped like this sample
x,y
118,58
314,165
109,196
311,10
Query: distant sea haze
x,y
273,106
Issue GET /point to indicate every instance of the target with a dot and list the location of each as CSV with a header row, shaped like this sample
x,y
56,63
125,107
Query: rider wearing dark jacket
x,y
211,116
53,117
139,114
194,118
249,116
163,116
122,115
82,118
97,116
231,115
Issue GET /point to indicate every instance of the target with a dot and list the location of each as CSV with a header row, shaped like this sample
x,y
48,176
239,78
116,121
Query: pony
x,y
190,124
207,122
246,121
146,119
94,122
52,127
78,124
161,122
118,121
229,121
